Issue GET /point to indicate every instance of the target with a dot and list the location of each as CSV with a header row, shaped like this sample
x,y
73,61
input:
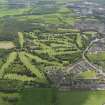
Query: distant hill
x,y
98,1
25,1
3,1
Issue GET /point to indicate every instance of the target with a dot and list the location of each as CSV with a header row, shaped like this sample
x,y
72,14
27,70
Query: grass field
x,y
53,97
100,56
79,41
88,74
81,98
12,56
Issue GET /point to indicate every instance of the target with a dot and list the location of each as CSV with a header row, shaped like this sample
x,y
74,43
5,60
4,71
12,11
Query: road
x,y
86,60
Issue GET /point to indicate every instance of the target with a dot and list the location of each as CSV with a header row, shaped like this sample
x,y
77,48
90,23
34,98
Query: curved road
x,y
86,60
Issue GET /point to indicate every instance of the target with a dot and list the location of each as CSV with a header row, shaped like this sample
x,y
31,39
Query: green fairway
x,y
100,56
79,41
10,60
39,75
88,74
21,39
53,97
